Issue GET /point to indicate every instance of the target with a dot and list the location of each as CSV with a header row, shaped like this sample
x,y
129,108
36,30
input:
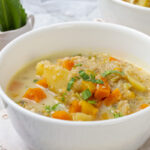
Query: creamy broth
x,y
81,88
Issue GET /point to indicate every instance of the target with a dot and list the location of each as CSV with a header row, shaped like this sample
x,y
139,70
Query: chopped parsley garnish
x,y
84,75
76,77
106,73
91,78
78,96
92,102
54,107
117,115
77,65
70,84
63,97
35,80
99,81
86,94
94,80
48,109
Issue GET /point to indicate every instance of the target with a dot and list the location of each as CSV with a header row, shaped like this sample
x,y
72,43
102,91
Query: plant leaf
x,y
12,15
106,73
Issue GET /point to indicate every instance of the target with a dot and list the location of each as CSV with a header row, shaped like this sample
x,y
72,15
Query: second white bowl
x,y
120,12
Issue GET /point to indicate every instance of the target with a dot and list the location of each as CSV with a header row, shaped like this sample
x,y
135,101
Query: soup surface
x,y
145,3
81,88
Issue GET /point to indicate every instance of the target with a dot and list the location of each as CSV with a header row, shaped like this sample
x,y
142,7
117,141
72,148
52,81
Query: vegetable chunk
x,y
43,83
102,90
88,85
88,108
75,107
36,94
136,84
61,115
56,77
68,64
143,106
113,97
41,66
82,117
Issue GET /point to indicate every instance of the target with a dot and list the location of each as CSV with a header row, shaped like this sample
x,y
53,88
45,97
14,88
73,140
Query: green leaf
x,y
86,94
12,15
63,96
92,102
84,75
77,65
76,77
95,81
106,73
91,78
54,107
35,80
117,115
48,109
70,84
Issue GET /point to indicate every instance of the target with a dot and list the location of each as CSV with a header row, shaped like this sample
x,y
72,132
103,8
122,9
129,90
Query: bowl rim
x,y
132,6
30,114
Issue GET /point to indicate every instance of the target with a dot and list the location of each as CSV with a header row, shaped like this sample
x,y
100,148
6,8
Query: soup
x,y
81,87
145,3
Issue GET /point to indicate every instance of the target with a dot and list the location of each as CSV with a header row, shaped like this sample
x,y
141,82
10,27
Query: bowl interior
x,y
74,38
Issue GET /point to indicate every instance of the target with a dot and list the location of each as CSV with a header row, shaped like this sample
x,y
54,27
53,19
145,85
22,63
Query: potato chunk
x,y
40,67
56,76
88,85
88,108
82,117
136,84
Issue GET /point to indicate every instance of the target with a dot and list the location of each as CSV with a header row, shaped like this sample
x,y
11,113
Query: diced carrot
x,y
43,83
102,92
75,107
105,82
61,115
36,94
113,97
68,64
143,106
88,85
113,59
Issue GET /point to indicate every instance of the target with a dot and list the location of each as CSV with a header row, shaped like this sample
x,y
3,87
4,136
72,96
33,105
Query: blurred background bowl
x,y
120,12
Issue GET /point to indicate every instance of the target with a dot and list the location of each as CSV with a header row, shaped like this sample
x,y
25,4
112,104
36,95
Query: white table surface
x,y
48,12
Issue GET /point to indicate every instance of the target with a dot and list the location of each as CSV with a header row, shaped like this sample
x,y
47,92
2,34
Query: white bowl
x,y
7,36
43,133
120,12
